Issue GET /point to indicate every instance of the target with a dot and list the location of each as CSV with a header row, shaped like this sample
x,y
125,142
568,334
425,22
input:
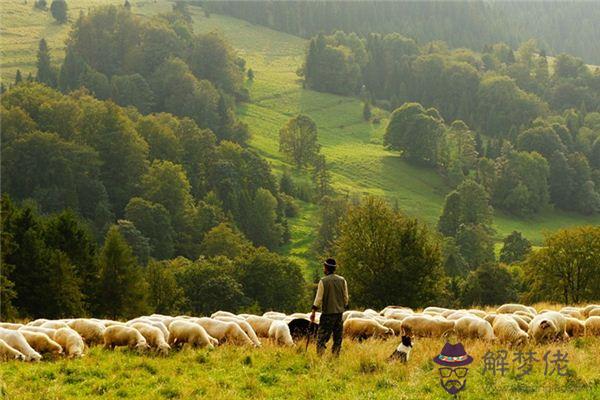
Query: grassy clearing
x,y
271,372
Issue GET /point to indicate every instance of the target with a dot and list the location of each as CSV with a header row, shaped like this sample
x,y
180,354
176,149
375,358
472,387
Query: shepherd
x,y
332,298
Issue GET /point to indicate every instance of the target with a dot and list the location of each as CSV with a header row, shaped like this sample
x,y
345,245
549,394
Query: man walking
x,y
332,297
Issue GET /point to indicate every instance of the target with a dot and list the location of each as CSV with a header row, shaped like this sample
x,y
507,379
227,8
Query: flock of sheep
x,y
514,324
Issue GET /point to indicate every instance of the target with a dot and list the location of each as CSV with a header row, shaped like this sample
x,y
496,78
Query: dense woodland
x,y
471,24
127,185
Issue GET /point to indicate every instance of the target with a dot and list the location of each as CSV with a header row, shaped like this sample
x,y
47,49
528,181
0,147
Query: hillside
x,y
359,163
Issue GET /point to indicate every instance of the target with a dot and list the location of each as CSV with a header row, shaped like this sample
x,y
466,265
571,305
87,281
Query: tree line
x,y
560,27
527,132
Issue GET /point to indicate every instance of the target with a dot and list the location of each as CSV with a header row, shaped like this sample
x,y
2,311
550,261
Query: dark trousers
x,y
330,324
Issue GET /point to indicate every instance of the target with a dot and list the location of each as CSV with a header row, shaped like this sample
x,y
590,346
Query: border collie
x,y
402,352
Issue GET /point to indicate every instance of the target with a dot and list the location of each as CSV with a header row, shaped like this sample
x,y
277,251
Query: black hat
x,y
453,355
330,263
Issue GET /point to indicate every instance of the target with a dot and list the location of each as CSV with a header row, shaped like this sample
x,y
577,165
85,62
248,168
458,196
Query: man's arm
x,y
346,297
319,297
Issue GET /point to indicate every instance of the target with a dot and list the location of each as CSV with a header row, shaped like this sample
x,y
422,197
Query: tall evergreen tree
x,y
45,72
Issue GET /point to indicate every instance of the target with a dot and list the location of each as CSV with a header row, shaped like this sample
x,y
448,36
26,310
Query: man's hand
x,y
312,317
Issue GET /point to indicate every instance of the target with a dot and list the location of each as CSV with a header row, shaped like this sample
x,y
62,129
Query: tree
x,y
140,245
154,222
367,111
286,184
58,8
261,225
71,70
7,247
224,240
210,286
388,258
127,5
271,281
122,288
515,248
416,132
298,140
67,299
468,204
132,90
46,73
333,209
567,268
250,74
18,77
489,284
476,244
321,177
164,294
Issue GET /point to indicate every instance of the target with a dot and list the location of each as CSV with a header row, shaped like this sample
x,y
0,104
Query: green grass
x,y
359,163
271,372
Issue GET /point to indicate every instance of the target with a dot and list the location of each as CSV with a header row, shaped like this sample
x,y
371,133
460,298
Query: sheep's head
x,y
142,346
164,348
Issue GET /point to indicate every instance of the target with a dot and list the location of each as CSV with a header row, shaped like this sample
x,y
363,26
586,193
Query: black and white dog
x,y
402,352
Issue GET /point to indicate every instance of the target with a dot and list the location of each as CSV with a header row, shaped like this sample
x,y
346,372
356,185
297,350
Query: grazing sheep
x,y
260,325
47,331
11,326
274,315
586,310
574,313
371,312
17,341
477,313
302,327
474,328
71,342
181,331
37,322
575,327
512,308
154,337
279,331
54,324
246,327
398,315
389,310
507,330
592,326
460,314
490,318
523,325
548,326
524,315
117,335
41,343
110,322
8,353
393,324
436,310
224,331
354,314
594,312
223,314
91,332
426,326
364,328
448,312
157,323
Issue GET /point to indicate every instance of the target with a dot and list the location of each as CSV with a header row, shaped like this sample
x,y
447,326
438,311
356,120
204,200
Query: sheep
x,y
421,325
54,324
354,314
37,322
586,310
154,337
110,322
91,332
279,331
473,327
371,312
459,314
436,310
181,331
11,326
527,317
594,312
511,308
507,330
523,325
592,326
490,318
550,325
575,327
260,325
223,314
153,322
398,315
246,327
117,335
477,313
364,328
8,353
574,313
48,331
71,342
274,315
395,309
393,324
17,341
445,314
41,343
223,331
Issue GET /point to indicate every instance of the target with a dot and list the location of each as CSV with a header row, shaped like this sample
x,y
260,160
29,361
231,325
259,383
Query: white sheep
x,y
9,353
586,310
594,312
41,343
223,314
47,331
364,328
524,325
474,328
550,325
11,326
393,324
224,331
574,313
71,342
507,330
260,325
592,326
511,308
426,326
17,341
117,335
246,327
181,331
37,322
274,315
154,337
54,324
91,332
279,331
575,327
